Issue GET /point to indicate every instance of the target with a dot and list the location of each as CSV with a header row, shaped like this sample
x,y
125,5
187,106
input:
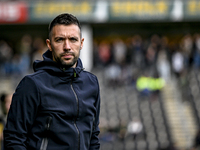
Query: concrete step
x,y
179,115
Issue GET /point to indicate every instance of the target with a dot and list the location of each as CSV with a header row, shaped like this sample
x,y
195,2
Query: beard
x,y
64,62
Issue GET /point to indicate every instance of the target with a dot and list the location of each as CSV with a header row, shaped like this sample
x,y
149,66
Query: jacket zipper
x,y
45,139
77,101
44,144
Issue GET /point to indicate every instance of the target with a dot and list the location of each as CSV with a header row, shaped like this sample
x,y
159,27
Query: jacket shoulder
x,y
29,81
36,76
91,75
37,73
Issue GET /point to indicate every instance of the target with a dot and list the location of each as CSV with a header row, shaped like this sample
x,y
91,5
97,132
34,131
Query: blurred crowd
x,y
157,56
123,59
16,60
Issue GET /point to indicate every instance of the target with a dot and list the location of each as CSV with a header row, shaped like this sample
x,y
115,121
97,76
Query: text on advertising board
x,y
139,8
193,7
48,9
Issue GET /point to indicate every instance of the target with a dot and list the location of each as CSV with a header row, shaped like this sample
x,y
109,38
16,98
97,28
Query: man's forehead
x,y
72,30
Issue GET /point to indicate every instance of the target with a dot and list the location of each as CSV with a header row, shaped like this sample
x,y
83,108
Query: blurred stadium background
x,y
146,54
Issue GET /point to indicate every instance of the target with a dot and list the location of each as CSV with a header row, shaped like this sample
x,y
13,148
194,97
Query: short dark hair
x,y
64,19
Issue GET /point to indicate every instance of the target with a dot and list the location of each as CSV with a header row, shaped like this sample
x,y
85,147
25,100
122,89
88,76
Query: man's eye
x,y
73,39
59,40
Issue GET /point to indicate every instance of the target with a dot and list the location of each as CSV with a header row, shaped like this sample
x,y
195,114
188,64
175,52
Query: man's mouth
x,y
67,56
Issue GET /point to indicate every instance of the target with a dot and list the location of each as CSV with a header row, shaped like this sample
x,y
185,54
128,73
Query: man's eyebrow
x,y
59,37
73,37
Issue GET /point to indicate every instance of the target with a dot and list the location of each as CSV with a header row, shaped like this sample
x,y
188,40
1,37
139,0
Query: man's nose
x,y
67,45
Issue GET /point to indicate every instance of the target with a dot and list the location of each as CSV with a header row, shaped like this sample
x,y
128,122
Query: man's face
x,y
65,44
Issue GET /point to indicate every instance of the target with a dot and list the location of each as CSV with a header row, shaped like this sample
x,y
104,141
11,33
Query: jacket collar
x,y
52,67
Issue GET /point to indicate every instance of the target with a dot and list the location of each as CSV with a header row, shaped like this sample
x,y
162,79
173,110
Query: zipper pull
x,y
74,73
48,123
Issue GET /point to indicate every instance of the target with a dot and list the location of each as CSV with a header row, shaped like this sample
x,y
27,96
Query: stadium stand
x,y
119,105
160,113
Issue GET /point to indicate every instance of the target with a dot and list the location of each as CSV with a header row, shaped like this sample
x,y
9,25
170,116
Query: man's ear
x,y
48,42
82,40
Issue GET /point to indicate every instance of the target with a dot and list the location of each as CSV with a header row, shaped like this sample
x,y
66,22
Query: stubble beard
x,y
66,63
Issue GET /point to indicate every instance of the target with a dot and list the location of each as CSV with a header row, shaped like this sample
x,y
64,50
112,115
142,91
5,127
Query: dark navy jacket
x,y
54,109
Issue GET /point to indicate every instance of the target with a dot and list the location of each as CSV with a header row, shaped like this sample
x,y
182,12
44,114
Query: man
x,y
57,107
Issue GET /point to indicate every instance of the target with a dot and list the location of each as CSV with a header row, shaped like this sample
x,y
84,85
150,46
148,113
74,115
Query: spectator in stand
x,y
21,59
96,58
196,54
15,65
129,51
187,48
39,47
163,62
119,51
104,51
6,99
152,51
148,85
163,65
113,74
150,55
177,63
6,54
137,48
25,54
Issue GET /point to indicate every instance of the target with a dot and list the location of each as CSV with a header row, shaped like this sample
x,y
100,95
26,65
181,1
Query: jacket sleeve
x,y
94,143
21,115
